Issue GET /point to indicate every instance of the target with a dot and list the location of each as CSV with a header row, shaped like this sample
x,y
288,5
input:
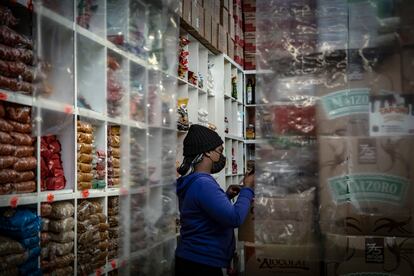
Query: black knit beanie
x,y
200,139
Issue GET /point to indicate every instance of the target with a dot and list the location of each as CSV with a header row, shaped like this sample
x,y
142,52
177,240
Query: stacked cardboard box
x,y
249,15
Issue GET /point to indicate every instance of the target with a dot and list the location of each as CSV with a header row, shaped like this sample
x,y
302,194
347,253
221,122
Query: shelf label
x,y
14,201
50,198
3,96
113,264
85,193
68,109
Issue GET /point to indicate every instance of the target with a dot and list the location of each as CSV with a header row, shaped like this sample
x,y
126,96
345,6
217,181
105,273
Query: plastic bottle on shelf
x,y
250,132
234,87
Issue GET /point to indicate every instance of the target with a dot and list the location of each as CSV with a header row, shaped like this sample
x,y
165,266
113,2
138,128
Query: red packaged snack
x,y
16,54
22,128
16,69
2,111
6,189
24,151
5,126
55,183
6,149
6,138
21,114
7,176
24,176
25,164
22,139
7,161
25,187
6,17
11,38
295,120
15,85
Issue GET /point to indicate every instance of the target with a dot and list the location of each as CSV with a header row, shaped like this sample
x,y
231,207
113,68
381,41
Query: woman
x,y
207,216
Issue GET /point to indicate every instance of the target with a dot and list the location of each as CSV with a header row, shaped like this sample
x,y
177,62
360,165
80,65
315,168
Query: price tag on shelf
x,y
3,96
68,109
85,193
14,201
50,198
113,264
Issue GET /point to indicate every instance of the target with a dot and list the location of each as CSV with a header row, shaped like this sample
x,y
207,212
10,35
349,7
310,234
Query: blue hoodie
x,y
208,219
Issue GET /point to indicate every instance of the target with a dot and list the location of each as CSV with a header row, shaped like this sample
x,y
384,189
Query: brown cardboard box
x,y
222,40
232,28
201,26
230,47
368,255
187,5
214,32
224,19
207,25
363,176
283,260
194,14
343,106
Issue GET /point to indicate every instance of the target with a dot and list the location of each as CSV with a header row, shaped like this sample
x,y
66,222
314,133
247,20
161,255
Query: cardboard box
x,y
283,260
207,25
200,23
224,19
368,255
344,104
222,40
187,6
230,47
214,32
361,176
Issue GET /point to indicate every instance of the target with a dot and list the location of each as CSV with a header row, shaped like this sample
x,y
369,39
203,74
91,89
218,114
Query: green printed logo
x,y
368,187
346,102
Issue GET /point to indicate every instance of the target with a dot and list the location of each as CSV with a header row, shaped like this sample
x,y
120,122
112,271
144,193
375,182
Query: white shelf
x,y
227,58
16,97
254,141
47,13
83,112
19,199
250,72
234,137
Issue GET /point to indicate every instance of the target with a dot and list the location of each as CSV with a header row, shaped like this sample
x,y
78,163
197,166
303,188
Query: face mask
x,y
219,165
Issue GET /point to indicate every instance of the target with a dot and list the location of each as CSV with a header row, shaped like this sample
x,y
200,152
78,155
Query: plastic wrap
x,y
24,151
6,150
21,139
25,164
5,126
63,225
7,161
62,210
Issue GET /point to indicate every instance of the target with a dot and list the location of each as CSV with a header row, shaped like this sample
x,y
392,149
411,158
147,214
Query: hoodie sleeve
x,y
212,199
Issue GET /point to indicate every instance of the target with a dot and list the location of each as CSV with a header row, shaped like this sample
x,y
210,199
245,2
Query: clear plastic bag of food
x,y
21,139
7,161
113,221
45,224
62,237
25,187
104,235
21,128
113,232
62,248
86,138
114,152
85,148
84,168
62,210
12,260
7,188
85,158
85,177
6,149
16,54
63,261
6,138
89,237
45,209
9,246
25,164
114,141
64,225
21,114
85,127
25,176
24,151
5,125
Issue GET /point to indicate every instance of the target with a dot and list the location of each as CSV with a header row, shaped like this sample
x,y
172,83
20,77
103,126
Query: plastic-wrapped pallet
x,y
85,155
57,237
114,156
92,236
20,248
17,151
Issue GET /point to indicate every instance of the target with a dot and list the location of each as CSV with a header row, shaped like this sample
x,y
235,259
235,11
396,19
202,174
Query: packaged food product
x,y
114,152
113,221
61,248
114,162
7,176
8,261
16,69
114,182
6,17
114,211
88,237
84,185
25,187
62,271
19,223
96,207
85,158
114,141
63,225
85,148
7,161
20,114
20,127
9,246
62,209
6,188
21,139
104,235
45,224
101,217
86,138
11,38
16,85
85,168
85,177
6,149
85,127
24,151
5,125
113,232
62,237
25,164
45,209
103,227
6,138
16,54
63,261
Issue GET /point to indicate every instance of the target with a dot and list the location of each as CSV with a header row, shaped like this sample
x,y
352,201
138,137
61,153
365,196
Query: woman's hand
x,y
248,180
232,191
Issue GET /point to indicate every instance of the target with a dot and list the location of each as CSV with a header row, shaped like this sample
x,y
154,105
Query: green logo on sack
x,y
346,102
368,187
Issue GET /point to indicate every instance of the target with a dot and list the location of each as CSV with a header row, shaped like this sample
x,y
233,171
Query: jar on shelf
x,y
250,132
226,125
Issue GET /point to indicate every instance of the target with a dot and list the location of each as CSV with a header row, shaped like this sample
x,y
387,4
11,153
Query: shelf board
x,y
59,195
91,114
93,193
254,141
45,103
226,57
136,124
142,252
250,72
57,18
113,191
16,97
20,199
234,137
